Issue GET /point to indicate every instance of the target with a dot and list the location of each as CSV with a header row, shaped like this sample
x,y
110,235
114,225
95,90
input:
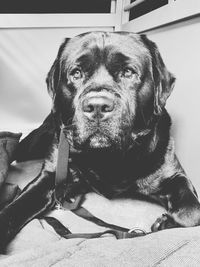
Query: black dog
x,y
109,92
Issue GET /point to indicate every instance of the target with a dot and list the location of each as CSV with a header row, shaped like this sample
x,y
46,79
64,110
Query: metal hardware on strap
x,y
74,205
137,230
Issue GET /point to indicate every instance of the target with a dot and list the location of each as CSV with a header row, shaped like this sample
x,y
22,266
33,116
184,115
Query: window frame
x,y
174,11
56,20
118,19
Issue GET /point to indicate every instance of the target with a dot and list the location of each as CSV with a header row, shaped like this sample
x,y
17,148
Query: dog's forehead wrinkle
x,y
129,45
78,44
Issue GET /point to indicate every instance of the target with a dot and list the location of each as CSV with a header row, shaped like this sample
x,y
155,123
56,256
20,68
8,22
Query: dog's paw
x,y
164,222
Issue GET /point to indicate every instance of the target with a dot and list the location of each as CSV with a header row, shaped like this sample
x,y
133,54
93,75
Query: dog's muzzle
x,y
98,106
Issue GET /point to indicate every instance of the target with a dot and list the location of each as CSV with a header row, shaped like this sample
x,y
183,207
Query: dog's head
x,y
106,87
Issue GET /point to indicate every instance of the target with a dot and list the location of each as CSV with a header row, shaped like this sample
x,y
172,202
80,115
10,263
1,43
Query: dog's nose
x,y
98,107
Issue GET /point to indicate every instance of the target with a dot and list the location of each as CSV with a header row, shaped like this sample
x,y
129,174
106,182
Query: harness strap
x,y
85,214
60,182
62,166
65,232
57,225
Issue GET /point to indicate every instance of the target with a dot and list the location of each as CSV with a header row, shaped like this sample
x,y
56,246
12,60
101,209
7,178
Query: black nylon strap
x,y
65,232
83,213
57,225
62,165
117,234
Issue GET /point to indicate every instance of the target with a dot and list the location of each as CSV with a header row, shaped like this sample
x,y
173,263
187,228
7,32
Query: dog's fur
x,y
109,92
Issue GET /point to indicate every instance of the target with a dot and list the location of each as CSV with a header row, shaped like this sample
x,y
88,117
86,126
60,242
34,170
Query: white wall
x,y
180,47
26,56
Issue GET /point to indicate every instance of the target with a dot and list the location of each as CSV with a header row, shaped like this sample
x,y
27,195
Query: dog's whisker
x,y
143,117
69,126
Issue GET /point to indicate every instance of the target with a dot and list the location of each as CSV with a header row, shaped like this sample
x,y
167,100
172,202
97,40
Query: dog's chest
x,y
115,177
110,184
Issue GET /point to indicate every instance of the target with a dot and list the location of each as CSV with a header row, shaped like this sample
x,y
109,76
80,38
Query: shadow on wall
x,y
18,97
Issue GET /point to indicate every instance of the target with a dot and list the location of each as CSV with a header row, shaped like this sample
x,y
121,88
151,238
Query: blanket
x,y
37,244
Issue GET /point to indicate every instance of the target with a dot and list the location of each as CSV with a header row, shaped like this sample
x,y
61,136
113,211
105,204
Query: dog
x,y
108,92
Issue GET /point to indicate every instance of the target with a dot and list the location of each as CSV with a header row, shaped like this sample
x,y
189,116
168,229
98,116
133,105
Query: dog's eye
x,y
76,74
128,73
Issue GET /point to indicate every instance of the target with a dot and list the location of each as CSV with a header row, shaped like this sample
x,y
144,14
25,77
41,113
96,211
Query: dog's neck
x,y
115,168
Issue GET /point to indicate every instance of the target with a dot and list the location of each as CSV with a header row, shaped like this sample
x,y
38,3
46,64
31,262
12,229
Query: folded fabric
x,y
8,145
35,246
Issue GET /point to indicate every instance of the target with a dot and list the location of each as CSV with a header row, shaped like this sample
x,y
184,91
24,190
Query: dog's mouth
x,y
98,141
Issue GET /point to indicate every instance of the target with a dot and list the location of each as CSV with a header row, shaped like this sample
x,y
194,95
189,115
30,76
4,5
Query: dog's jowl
x,y
109,92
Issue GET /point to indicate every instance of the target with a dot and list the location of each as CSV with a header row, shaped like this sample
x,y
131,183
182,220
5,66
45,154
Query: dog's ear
x,y
54,75
53,78
164,80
